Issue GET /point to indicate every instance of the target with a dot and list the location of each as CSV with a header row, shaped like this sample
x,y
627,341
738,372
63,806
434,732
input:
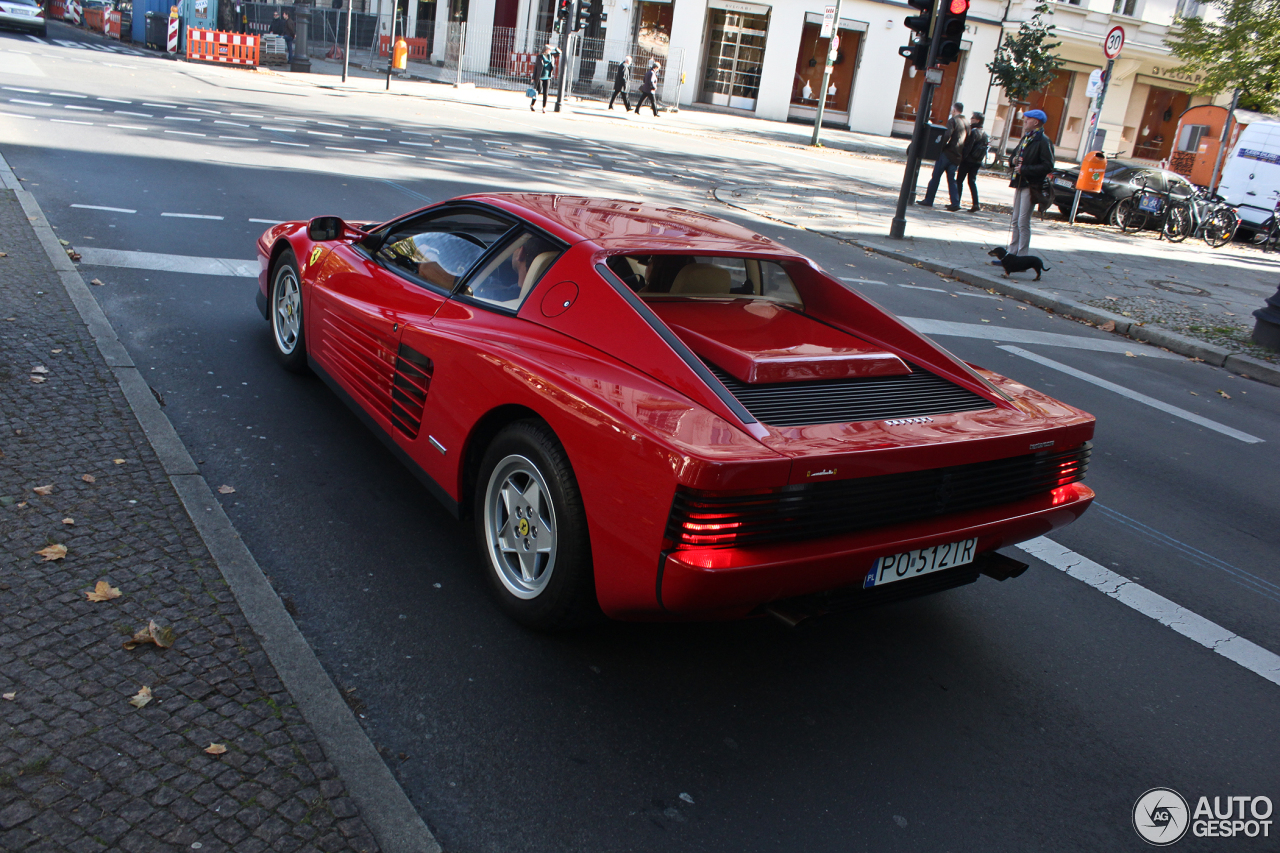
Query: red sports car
x,y
655,414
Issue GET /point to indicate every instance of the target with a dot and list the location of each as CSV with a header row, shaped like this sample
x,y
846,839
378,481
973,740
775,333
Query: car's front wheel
x,y
531,529
285,301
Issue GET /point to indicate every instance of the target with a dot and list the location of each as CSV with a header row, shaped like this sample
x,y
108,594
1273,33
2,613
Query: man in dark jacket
x,y
1030,166
544,69
952,148
972,158
622,82
288,33
649,88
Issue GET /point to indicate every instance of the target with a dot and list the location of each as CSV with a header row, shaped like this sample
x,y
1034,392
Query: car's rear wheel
x,y
285,301
531,529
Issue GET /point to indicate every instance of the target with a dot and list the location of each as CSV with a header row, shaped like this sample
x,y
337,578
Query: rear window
x,y
704,277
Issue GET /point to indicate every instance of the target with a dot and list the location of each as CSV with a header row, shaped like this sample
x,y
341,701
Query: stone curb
x,y
383,805
1246,366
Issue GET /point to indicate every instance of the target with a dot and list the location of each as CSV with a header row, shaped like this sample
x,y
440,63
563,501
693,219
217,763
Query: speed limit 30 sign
x,y
1114,41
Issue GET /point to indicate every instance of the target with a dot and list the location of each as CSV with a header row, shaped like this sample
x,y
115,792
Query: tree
x,y
1025,62
1240,50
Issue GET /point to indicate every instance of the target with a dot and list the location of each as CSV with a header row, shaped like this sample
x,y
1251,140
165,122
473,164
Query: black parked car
x,y
1121,180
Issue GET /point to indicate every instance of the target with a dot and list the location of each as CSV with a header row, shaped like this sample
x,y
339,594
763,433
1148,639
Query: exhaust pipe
x,y
999,567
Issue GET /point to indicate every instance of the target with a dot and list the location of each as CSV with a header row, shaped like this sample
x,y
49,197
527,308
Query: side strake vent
x,y
706,519
835,401
409,390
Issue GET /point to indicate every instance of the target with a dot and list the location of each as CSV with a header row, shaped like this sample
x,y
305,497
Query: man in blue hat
x,y
1031,163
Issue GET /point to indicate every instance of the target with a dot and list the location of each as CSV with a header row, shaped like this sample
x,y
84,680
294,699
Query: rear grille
x,y
834,401
701,519
409,388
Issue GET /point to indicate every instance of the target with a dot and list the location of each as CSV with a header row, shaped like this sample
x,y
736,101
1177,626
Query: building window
x,y
1128,8
735,52
1189,138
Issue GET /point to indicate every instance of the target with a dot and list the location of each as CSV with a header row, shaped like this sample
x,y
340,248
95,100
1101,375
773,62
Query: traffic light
x,y
918,50
584,14
563,9
951,29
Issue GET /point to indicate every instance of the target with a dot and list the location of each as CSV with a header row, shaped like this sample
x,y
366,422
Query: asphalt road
x,y
1019,716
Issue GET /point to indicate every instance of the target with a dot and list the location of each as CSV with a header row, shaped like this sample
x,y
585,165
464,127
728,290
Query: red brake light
x,y
959,7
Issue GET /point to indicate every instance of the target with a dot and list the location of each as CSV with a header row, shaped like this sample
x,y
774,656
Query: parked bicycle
x,y
1168,213
1219,220
1268,234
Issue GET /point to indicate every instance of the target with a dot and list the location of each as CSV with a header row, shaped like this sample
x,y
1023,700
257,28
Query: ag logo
x,y
315,253
1160,816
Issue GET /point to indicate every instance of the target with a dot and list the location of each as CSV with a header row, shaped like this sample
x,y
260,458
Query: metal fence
x,y
505,58
327,27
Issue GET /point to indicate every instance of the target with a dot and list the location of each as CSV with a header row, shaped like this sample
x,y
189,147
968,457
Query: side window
x,y
512,273
440,249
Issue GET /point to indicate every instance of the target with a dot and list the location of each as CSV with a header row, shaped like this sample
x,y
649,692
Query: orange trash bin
x,y
1092,169
400,58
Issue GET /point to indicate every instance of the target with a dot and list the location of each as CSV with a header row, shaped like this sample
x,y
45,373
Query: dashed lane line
x,y
180,132
863,281
103,207
129,126
70,121
294,144
79,107
68,95
920,287
1191,625
135,115
349,150
16,115
194,216
267,221
1135,396
115,101
30,103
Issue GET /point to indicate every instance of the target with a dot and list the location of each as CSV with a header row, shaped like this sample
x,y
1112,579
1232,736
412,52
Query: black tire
x,y
1128,217
547,585
1177,225
284,309
1220,227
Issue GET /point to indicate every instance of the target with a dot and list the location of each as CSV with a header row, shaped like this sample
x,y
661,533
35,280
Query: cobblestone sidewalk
x,y
84,500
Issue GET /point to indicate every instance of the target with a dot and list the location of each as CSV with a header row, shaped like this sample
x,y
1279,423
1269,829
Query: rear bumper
x,y
724,580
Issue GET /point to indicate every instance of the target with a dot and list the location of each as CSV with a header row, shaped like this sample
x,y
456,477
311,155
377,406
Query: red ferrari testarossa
x,y
656,414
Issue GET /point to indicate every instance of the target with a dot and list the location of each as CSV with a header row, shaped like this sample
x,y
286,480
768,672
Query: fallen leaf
x,y
53,552
1194,394
97,282
43,490
118,461
4,254
37,379
65,242
153,633
1223,394
226,490
55,351
88,478
216,748
103,592
75,256
1109,326
68,521
1131,355
39,368
143,697
986,321
9,697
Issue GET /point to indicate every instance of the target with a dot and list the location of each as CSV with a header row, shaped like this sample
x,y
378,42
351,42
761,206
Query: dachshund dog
x,y
1017,263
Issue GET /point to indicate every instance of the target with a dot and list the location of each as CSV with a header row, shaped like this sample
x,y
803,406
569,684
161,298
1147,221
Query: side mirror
x,y
325,228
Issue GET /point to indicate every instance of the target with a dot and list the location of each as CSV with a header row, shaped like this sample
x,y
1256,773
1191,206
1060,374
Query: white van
x,y
1251,175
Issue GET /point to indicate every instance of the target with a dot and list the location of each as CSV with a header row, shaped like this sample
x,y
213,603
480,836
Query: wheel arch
x,y
478,441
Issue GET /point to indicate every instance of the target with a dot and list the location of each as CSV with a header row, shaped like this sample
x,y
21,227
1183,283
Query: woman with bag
x,y
1031,164
543,70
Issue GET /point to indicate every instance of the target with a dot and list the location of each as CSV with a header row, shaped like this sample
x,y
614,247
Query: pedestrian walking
x,y
621,83
1030,166
972,157
544,69
288,32
949,160
649,88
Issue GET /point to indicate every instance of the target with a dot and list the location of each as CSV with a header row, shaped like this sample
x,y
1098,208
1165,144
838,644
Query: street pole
x,y
346,48
564,57
898,228
391,45
833,45
301,61
1093,132
1226,136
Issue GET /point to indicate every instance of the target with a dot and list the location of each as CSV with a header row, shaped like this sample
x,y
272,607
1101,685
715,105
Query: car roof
x,y
625,225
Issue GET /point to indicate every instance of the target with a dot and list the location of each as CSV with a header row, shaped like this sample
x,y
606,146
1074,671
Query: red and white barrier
x,y
217,46
172,41
74,12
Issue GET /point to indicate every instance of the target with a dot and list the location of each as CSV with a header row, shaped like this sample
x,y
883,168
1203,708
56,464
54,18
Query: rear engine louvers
x,y
409,390
831,401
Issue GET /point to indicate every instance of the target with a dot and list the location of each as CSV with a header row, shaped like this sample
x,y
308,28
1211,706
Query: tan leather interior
x,y
702,278
536,269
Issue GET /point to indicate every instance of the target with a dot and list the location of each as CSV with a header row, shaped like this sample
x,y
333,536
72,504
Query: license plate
x,y
910,564
1151,204
1064,183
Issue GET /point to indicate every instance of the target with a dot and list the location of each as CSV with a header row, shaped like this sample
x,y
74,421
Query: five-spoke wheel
x,y
285,301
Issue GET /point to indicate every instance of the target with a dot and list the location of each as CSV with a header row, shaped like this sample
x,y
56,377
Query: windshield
x,y
704,277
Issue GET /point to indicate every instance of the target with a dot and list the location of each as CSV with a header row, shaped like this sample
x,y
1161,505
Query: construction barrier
x,y
111,25
93,18
418,48
217,46
171,37
74,13
57,9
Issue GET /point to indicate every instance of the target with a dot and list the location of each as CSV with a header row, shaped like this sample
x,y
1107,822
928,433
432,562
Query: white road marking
x,y
362,127
1190,625
281,129
241,138
332,123
69,121
128,126
192,216
135,115
37,39
20,89
414,132
168,263
184,133
202,110
247,115
450,136
86,109
351,150
456,148
267,221
369,138
162,106
538,171
114,101
29,103
324,133
15,115
67,95
417,144
294,144
950,328
979,295
398,154
101,207
1135,396
180,118
919,287
285,118
232,123
863,281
